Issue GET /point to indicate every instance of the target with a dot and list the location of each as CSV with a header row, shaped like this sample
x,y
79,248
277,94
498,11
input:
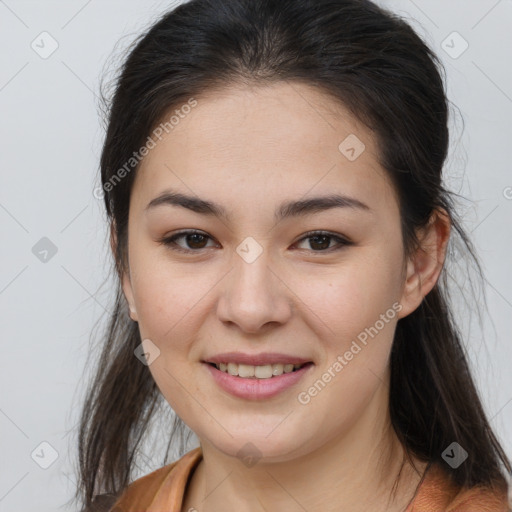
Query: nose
x,y
254,295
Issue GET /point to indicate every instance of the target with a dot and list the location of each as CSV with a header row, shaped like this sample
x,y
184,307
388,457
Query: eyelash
x,y
170,241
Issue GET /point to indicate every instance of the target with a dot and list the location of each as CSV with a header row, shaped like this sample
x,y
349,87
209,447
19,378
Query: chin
x,y
260,447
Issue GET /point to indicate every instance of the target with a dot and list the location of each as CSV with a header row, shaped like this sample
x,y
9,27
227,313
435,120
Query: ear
x,y
123,276
425,264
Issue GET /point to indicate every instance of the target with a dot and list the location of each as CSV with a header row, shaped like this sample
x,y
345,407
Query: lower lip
x,y
256,389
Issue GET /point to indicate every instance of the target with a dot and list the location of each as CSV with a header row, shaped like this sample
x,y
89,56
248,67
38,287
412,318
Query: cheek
x,y
168,300
360,307
352,297
166,296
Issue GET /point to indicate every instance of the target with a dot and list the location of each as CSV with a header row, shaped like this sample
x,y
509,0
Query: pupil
x,y
195,235
324,237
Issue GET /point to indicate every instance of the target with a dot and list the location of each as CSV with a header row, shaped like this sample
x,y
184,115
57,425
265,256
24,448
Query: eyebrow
x,y
287,209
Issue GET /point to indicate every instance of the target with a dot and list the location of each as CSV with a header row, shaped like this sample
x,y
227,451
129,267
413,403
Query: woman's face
x,y
254,282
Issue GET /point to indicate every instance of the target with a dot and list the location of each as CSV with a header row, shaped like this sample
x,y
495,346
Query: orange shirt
x,y
163,490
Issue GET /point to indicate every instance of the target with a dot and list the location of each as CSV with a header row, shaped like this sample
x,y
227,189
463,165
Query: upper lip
x,y
256,359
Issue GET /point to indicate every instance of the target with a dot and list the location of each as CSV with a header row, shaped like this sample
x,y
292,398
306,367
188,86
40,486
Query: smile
x,y
257,382
247,371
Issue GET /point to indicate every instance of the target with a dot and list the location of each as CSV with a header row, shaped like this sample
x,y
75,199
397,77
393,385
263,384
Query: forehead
x,y
278,140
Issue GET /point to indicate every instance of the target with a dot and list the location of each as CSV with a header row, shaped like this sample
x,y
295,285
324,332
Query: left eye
x,y
323,239
320,241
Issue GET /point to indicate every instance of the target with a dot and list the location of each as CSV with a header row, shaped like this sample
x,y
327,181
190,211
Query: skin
x,y
250,149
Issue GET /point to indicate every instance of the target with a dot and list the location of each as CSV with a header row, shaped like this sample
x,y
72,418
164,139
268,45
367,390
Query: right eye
x,y
195,240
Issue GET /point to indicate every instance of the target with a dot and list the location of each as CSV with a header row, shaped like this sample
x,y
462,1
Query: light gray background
x,y
51,138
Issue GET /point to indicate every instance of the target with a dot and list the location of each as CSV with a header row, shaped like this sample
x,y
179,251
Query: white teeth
x,y
277,369
247,371
263,372
232,369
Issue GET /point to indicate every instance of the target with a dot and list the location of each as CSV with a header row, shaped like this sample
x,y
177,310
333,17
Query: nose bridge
x,y
253,295
252,267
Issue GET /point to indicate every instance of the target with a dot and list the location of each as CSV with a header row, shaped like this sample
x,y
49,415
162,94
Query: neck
x,y
358,469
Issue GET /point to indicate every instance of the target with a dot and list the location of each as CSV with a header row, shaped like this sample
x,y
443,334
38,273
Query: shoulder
x,y
164,484
438,492
480,499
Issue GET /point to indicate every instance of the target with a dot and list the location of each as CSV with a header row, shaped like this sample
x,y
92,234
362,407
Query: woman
x,y
272,173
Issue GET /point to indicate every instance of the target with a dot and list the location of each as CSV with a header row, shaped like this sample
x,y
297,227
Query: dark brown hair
x,y
375,64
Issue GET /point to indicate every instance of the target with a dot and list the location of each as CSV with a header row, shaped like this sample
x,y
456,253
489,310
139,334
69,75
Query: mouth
x,y
264,381
267,371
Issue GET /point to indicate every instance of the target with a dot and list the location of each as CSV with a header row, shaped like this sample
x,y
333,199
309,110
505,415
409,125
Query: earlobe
x,y
128,293
411,294
125,278
425,264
